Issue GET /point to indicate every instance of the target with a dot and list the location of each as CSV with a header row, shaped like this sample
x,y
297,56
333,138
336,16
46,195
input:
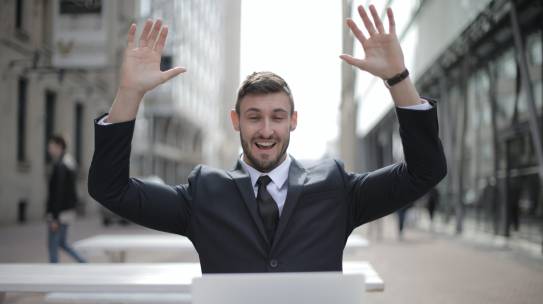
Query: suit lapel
x,y
243,182
296,181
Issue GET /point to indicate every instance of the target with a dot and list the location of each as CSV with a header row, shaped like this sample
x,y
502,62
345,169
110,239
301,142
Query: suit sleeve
x,y
375,194
152,205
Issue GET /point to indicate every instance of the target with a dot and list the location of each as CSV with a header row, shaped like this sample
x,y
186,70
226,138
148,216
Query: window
x,y
478,149
47,23
71,7
78,127
506,87
21,120
19,6
166,62
50,100
535,60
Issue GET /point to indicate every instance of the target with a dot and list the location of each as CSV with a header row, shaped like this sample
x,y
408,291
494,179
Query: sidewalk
x,y
28,243
435,268
423,268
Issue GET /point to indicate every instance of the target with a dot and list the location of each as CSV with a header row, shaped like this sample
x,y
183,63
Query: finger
x,y
154,32
145,33
171,73
356,31
376,19
366,20
159,46
391,22
131,35
353,61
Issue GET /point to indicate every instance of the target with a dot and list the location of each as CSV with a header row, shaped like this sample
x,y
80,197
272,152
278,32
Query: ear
x,y
293,120
234,117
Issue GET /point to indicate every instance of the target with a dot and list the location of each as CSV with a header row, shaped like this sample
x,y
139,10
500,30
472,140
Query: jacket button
x,y
273,263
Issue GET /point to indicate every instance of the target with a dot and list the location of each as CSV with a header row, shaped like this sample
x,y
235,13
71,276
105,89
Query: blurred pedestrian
x,y
431,205
61,199
402,215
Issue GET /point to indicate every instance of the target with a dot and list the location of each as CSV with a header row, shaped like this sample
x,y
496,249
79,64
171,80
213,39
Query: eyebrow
x,y
258,110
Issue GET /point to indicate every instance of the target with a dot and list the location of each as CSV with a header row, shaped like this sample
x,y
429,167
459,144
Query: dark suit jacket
x,y
217,211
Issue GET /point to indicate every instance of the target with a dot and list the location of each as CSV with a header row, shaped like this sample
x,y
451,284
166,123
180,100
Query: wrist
x,y
129,94
404,93
393,70
125,106
396,78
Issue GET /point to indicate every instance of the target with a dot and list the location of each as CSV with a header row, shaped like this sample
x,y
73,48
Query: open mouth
x,y
265,145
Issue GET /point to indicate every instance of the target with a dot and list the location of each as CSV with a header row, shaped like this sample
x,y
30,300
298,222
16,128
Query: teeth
x,y
265,144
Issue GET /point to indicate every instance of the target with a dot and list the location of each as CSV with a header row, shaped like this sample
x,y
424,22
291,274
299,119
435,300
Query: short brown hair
x,y
58,140
261,83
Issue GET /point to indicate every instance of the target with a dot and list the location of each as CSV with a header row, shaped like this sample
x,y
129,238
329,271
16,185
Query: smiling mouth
x,y
265,145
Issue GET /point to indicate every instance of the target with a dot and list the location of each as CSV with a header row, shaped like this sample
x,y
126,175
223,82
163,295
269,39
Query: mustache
x,y
265,138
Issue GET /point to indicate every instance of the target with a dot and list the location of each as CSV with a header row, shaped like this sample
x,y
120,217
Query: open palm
x,y
140,70
384,57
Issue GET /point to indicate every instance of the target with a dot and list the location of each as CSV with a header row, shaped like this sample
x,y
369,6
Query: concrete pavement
x,y
436,268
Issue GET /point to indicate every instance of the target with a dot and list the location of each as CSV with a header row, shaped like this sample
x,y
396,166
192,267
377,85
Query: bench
x,y
116,246
116,298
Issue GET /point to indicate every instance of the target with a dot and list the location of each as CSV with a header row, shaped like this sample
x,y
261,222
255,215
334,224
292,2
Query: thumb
x,y
171,73
359,63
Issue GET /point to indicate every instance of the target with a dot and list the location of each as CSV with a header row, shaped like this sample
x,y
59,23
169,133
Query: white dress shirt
x,y
278,186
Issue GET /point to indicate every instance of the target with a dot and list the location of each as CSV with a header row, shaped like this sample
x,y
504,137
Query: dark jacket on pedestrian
x,y
62,193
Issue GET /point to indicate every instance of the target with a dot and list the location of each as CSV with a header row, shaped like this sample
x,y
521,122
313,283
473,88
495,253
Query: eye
x,y
253,118
278,118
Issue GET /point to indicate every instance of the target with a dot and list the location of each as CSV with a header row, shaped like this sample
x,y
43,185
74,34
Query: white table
x,y
116,246
356,242
137,277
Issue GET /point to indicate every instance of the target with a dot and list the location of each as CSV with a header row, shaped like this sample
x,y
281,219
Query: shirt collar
x,y
278,175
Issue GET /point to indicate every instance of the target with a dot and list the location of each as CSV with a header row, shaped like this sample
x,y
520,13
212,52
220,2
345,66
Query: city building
x,y
186,122
59,65
481,61
58,69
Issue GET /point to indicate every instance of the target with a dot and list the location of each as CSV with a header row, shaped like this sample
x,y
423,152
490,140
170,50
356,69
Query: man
x,y
61,199
269,213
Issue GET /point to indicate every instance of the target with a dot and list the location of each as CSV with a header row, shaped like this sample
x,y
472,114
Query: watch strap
x,y
396,78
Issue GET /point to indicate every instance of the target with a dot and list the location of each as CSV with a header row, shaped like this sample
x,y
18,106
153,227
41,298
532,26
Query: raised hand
x,y
141,66
384,57
140,71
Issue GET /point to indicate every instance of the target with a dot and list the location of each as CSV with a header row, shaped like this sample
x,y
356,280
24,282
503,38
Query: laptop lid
x,y
278,288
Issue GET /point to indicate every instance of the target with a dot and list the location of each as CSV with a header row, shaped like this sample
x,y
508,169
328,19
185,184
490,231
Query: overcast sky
x,y
300,41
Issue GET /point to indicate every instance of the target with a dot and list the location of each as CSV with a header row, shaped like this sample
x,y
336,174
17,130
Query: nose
x,y
266,131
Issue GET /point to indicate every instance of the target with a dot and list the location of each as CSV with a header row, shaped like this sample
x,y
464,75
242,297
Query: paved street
x,y
426,268
423,268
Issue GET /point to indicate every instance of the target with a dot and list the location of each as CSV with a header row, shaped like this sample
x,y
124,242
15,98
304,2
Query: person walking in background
x,y
431,205
402,214
61,199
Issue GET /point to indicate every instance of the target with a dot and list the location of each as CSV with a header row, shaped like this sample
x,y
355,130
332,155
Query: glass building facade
x,y
488,83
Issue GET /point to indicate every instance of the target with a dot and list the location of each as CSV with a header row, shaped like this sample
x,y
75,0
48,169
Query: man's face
x,y
264,124
55,150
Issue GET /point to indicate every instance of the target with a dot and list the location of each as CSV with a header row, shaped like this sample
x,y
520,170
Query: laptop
x,y
279,288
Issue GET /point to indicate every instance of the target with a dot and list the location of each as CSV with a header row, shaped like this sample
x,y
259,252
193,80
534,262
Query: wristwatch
x,y
396,78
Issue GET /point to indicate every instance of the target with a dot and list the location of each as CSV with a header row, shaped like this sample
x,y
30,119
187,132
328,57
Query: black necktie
x,y
267,207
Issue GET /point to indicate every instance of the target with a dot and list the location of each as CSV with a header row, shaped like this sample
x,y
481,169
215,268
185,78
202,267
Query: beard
x,y
264,165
